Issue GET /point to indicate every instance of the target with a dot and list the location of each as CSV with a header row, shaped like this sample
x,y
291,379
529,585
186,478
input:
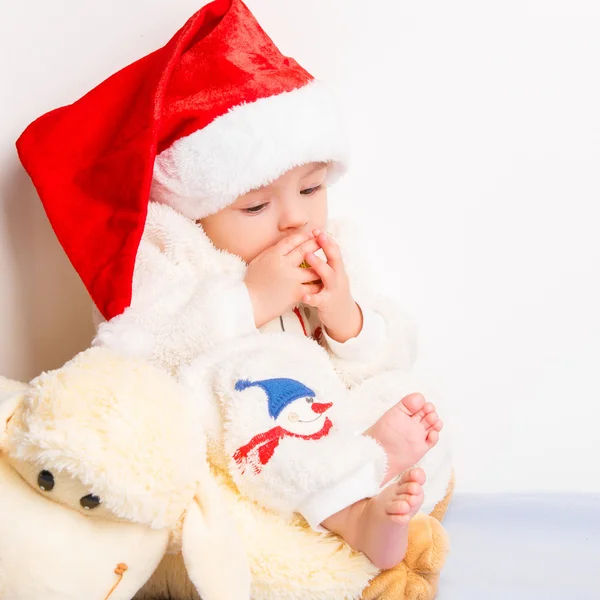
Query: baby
x,y
188,190
274,229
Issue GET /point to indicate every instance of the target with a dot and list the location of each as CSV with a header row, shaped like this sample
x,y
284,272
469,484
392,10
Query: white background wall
x,y
476,134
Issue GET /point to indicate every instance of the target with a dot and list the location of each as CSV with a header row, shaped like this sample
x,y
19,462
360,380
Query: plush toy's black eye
x,y
90,501
45,481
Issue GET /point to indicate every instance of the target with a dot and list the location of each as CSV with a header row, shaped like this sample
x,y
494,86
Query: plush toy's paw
x,y
420,586
416,577
428,545
388,584
401,583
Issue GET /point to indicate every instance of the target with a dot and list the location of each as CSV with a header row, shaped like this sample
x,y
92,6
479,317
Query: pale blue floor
x,y
523,547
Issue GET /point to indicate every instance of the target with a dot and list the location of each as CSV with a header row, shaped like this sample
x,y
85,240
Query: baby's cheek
x,y
318,211
319,220
253,239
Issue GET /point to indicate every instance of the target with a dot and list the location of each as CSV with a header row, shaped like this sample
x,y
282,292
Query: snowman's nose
x,y
320,408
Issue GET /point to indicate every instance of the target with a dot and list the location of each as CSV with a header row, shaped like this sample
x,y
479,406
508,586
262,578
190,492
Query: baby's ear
x,y
12,394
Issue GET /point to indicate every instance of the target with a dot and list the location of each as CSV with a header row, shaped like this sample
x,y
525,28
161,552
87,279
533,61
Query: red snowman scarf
x,y
260,449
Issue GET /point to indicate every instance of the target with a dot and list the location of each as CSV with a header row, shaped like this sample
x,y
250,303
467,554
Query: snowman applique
x,y
296,413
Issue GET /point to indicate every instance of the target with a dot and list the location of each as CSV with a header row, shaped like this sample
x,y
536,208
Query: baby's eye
x,y
255,209
90,501
45,481
310,191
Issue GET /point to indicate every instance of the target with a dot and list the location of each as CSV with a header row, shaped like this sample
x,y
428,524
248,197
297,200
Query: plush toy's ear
x,y
213,553
11,396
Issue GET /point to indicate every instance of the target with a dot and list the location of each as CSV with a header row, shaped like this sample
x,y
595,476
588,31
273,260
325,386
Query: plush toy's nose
x,y
320,408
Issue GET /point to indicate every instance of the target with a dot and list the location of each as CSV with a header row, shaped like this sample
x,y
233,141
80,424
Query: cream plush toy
x,y
102,471
104,490
103,477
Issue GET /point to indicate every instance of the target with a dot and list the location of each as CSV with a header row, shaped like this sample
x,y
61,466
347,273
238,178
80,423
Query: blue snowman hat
x,y
281,392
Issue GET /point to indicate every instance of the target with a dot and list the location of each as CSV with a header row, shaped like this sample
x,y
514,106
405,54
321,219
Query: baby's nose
x,y
293,216
320,408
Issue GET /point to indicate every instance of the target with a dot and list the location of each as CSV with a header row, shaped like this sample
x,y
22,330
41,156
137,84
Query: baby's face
x,y
294,203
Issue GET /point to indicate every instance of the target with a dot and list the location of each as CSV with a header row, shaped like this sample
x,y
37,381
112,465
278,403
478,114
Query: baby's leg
x,y
407,431
378,527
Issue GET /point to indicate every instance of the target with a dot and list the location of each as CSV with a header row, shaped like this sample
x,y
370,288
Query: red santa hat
x,y
216,112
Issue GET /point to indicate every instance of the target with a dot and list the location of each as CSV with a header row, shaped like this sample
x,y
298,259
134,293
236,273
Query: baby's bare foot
x,y
407,431
383,527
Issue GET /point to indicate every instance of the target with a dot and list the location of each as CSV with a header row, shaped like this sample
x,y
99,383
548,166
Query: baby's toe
x,y
432,438
412,488
417,475
408,502
430,419
415,500
438,426
428,407
425,410
413,403
401,519
399,506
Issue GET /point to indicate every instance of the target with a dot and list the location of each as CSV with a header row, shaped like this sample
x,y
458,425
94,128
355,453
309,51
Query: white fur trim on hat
x,y
248,147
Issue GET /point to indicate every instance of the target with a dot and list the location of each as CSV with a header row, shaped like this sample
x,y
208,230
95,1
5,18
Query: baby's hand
x,y
338,312
275,280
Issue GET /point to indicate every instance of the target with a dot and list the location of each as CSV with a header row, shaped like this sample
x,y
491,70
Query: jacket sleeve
x,y
388,339
366,343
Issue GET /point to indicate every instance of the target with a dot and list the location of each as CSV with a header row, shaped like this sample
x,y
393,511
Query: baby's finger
x,y
286,245
308,275
331,249
311,289
296,255
325,272
314,300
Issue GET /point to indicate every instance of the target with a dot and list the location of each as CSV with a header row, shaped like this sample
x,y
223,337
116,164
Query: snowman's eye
x,y
310,400
90,501
45,481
